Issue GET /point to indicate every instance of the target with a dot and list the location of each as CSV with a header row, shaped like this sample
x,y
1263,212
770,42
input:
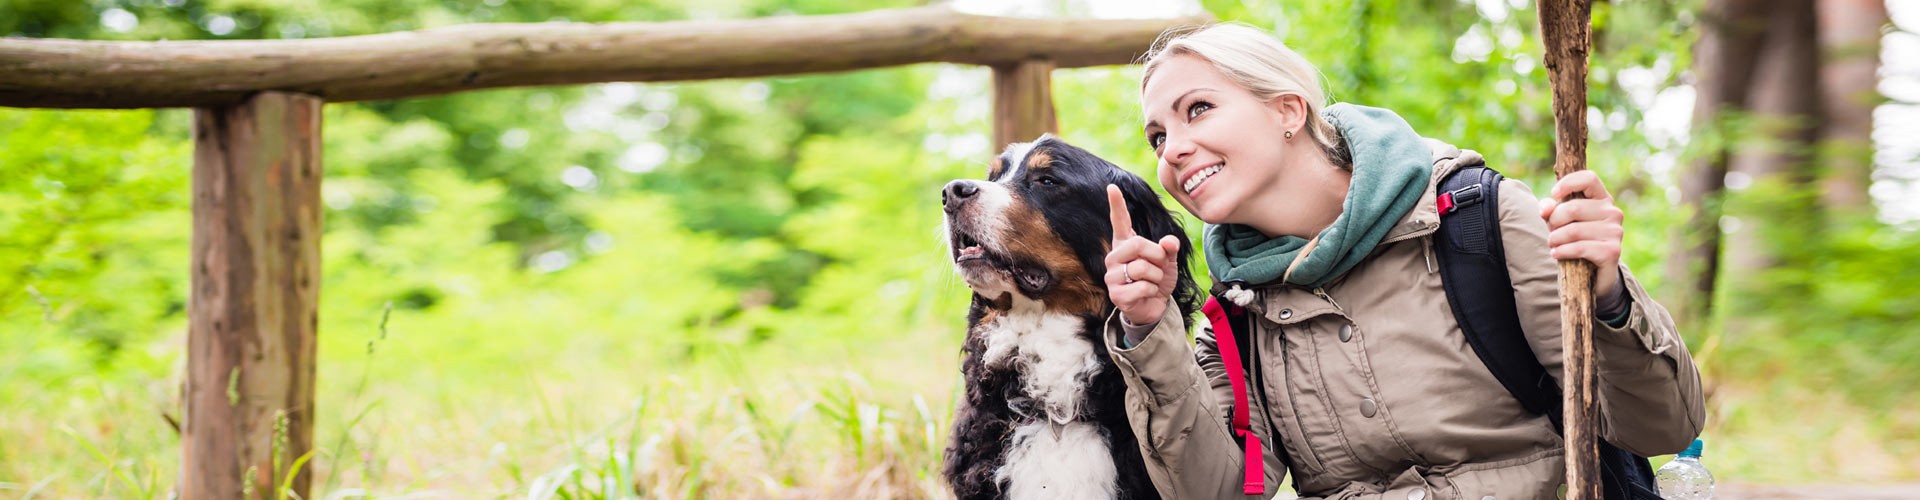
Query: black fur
x,y
1075,207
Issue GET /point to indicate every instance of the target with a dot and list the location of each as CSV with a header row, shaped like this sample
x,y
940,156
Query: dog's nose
x,y
956,193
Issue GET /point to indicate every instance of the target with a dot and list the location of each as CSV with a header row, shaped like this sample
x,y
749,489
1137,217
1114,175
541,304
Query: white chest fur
x,y
1055,366
1073,466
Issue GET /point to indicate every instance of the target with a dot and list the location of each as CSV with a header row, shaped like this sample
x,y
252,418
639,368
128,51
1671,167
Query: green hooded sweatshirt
x,y
1391,169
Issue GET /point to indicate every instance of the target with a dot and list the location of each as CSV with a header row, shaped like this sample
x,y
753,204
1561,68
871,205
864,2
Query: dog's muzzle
x,y
957,194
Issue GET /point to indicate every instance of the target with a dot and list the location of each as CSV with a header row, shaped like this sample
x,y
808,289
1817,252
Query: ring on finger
x,y
1125,273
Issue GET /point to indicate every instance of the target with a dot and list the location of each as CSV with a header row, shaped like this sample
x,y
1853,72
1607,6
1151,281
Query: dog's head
x,y
1037,228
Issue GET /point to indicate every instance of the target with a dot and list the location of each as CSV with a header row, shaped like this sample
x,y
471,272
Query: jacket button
x,y
1419,494
1346,332
1368,408
1488,497
1286,314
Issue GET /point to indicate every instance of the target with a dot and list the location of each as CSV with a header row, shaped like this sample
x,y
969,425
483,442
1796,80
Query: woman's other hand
x,y
1586,229
1140,273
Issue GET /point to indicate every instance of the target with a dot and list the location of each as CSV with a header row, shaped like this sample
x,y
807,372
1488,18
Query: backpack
x,y
1473,266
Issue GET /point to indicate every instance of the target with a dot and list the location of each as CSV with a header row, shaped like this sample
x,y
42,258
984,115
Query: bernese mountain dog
x,y
1044,413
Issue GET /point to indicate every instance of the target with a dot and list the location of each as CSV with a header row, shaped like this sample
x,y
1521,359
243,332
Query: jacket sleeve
x,y
1179,410
1650,398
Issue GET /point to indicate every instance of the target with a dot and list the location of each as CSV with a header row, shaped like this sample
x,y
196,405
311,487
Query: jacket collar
x,y
1424,219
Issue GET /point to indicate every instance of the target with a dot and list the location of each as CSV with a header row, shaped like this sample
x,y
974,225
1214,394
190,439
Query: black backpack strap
x,y
1473,270
1626,476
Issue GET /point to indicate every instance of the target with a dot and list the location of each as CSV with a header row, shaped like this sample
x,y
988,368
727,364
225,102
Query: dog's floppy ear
x,y
1152,220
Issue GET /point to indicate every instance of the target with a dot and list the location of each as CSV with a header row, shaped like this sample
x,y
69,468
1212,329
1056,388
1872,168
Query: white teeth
x,y
1194,182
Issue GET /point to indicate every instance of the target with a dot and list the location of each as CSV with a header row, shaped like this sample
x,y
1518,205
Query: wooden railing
x,y
254,309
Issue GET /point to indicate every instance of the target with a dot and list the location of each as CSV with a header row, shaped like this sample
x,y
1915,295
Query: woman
x,y
1320,222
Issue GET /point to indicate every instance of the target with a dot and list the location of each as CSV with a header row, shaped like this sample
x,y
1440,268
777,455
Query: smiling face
x,y
1222,149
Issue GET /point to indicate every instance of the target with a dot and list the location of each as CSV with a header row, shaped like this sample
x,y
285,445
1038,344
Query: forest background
x,y
738,288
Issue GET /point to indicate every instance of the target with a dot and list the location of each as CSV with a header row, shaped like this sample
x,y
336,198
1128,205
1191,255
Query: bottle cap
x,y
1693,450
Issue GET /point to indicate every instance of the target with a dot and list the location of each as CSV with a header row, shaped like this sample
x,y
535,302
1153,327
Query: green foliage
x,y
1829,328
85,210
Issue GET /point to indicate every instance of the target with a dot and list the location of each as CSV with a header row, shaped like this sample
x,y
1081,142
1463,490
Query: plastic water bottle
x,y
1684,478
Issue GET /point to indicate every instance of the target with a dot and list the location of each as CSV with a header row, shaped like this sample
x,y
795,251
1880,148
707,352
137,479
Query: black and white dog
x,y
1044,412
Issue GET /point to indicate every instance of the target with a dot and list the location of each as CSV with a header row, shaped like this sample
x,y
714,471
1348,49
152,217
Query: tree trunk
x,y
1777,154
1723,71
254,312
1850,49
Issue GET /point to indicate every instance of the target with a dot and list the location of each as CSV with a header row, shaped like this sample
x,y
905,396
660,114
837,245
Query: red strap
x,y
1444,202
1230,354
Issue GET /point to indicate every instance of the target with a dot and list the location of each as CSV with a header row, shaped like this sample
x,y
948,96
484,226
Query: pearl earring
x,y
1289,134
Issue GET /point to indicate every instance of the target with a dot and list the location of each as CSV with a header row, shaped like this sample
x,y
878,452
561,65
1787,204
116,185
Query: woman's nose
x,y
1176,150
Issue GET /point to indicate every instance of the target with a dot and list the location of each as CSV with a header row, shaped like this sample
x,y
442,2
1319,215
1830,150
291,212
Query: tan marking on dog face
x,y
996,166
1039,159
1073,291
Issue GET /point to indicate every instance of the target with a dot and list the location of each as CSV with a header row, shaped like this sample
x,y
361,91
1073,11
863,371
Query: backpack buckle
x,y
1451,201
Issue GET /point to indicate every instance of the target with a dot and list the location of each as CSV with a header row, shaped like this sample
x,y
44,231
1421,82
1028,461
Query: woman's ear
x,y
1292,109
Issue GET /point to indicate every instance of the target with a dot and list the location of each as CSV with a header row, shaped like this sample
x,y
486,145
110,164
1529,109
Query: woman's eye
x,y
1197,108
1154,140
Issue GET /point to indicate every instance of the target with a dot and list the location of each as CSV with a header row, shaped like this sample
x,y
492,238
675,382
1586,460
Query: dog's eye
x,y
1047,181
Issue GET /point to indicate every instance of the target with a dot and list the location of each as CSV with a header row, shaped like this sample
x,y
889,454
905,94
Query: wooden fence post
x,y
254,311
1022,102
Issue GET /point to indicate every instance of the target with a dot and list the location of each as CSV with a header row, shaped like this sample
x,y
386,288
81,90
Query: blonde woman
x,y
1320,221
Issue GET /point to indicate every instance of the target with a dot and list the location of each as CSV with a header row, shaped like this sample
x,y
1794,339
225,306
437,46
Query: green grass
x,y
775,422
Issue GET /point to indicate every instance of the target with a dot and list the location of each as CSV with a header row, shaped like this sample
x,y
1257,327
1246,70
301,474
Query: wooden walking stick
x,y
1565,29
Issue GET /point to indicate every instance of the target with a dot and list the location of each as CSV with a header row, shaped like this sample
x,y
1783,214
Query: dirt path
x,y
1799,492
1817,492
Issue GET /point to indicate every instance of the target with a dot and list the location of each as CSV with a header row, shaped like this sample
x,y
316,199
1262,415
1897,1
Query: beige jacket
x,y
1375,393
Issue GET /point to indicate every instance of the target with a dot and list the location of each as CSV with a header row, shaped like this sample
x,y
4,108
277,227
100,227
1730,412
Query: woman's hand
x,y
1140,273
1587,229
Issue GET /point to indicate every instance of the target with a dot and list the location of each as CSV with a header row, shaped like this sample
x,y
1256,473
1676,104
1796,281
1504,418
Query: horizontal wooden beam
x,y
97,74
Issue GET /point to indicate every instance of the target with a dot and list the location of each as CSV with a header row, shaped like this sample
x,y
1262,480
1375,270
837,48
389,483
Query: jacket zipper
x,y
1266,409
1427,251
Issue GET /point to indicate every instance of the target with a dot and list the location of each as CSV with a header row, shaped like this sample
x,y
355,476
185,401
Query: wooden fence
x,y
254,309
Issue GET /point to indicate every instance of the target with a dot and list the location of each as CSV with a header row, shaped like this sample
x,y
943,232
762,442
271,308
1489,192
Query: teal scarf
x,y
1391,168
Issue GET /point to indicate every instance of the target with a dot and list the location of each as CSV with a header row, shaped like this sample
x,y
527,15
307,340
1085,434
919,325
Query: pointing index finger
x,y
1117,214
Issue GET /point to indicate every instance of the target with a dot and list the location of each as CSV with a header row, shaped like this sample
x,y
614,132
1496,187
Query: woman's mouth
x,y
1193,181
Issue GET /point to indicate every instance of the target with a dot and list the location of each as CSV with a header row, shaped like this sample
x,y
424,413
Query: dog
x,y
1044,413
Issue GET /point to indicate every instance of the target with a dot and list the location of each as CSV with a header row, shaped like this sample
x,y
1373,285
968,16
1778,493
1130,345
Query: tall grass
x,y
746,427
681,442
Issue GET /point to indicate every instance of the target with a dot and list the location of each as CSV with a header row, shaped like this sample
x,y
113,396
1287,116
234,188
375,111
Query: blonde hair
x,y
1258,62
